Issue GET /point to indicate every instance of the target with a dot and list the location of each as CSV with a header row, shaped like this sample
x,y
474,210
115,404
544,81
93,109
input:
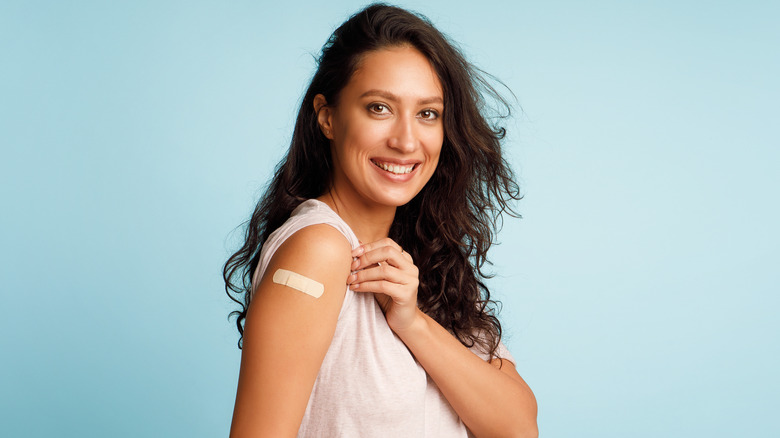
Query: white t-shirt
x,y
369,384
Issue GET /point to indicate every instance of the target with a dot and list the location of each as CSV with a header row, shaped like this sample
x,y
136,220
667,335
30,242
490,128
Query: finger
x,y
393,290
384,272
366,247
383,254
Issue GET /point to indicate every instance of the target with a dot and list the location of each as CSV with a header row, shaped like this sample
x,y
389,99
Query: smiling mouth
x,y
397,169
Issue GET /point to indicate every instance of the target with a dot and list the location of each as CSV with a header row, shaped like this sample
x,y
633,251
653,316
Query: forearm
x,y
488,400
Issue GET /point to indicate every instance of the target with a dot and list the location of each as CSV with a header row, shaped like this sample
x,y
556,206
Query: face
x,y
386,130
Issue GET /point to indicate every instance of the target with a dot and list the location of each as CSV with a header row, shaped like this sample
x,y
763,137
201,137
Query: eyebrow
x,y
390,96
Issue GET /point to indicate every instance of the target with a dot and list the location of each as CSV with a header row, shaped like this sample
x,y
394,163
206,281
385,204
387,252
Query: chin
x,y
395,200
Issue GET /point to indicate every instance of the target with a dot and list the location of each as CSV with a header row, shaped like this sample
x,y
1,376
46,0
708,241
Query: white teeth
x,y
396,169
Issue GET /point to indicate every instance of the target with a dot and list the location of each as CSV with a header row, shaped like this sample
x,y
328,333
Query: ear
x,y
324,115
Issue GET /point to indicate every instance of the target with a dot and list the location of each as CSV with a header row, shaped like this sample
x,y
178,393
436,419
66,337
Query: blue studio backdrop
x,y
639,289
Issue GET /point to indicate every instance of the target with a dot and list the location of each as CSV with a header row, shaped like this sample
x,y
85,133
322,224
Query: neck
x,y
370,222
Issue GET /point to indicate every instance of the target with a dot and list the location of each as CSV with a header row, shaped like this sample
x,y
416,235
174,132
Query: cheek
x,y
434,143
365,137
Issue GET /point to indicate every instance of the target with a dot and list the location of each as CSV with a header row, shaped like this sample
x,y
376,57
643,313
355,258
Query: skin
x,y
287,333
389,112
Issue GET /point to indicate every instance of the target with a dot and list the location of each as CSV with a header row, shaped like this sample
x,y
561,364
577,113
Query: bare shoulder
x,y
281,314
320,254
316,245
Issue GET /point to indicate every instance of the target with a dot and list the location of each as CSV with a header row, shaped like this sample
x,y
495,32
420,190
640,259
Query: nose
x,y
403,137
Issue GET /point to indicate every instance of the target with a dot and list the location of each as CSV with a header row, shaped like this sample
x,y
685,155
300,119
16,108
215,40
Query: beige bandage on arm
x,y
299,282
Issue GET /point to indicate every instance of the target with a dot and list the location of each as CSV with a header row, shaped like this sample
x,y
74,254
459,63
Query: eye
x,y
378,108
429,114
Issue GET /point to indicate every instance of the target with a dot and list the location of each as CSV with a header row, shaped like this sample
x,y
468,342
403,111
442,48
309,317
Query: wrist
x,y
416,328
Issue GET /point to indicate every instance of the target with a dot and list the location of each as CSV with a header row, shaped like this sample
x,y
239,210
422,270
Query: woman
x,y
368,315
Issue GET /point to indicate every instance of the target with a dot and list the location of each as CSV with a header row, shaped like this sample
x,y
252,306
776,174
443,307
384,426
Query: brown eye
x,y
429,114
377,108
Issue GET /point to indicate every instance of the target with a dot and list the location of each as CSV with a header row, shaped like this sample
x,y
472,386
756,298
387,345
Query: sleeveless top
x,y
369,384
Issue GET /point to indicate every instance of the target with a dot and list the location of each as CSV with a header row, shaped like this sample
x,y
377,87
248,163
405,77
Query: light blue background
x,y
640,288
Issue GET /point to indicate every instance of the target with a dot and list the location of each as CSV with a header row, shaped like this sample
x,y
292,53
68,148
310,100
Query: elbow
x,y
526,431
530,432
528,427
525,427
518,427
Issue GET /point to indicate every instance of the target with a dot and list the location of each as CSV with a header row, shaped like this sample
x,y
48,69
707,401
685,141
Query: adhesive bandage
x,y
298,282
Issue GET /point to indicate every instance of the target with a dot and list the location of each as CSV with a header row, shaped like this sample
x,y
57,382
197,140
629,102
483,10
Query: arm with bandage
x,y
288,330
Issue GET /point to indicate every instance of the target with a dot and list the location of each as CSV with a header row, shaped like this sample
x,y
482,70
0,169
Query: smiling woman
x,y
381,214
386,133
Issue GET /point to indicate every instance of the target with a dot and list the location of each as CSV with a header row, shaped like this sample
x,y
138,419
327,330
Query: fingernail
x,y
351,278
357,251
355,264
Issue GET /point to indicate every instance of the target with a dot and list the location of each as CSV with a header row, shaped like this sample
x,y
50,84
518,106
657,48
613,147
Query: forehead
x,y
402,71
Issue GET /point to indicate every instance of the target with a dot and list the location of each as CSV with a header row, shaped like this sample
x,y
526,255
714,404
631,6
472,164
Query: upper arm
x,y
288,332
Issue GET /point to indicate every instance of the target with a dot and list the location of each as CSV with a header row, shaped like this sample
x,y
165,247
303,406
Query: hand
x,y
387,270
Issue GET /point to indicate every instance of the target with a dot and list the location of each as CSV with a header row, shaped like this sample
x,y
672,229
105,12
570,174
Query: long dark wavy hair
x,y
449,226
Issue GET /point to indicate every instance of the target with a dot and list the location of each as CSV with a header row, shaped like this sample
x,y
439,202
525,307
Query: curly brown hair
x,y
450,225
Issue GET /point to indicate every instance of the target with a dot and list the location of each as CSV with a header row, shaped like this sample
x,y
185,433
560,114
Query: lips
x,y
395,168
